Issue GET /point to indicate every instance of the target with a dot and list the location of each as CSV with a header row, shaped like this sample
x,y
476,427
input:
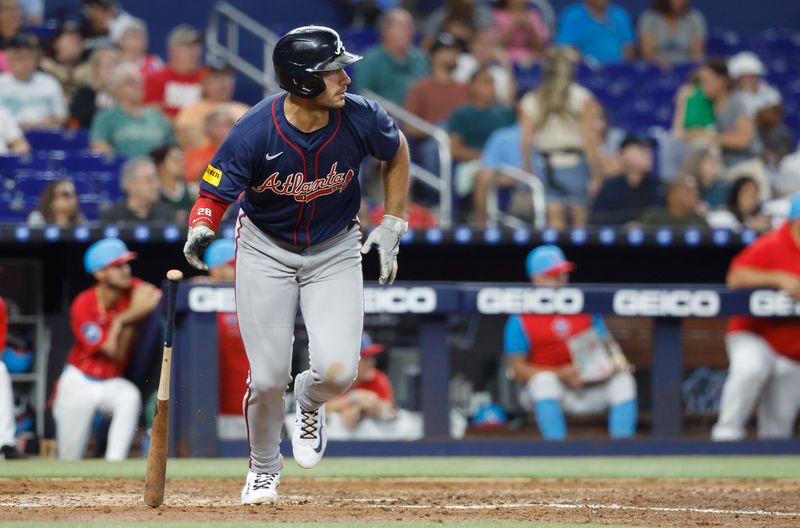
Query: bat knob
x,y
175,275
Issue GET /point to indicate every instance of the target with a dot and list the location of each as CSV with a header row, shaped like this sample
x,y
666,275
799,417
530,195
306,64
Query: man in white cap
x,y
747,72
764,353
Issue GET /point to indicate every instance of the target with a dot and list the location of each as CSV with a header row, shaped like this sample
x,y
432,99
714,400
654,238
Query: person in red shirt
x,y
764,353
8,440
179,84
568,363
104,321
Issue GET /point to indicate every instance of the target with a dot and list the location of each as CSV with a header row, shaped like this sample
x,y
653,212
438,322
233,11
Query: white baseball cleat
x,y
261,488
309,437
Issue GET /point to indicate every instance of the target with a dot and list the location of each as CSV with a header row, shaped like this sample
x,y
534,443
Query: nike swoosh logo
x,y
319,446
269,158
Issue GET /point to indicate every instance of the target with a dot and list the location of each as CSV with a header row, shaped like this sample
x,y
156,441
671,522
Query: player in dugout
x,y
568,363
104,320
764,353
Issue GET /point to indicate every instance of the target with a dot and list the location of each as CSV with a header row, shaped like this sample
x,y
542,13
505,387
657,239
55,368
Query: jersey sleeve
x,y
233,166
384,137
515,342
87,332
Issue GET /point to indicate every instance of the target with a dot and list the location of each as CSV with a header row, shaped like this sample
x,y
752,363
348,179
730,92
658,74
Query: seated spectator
x,y
763,102
64,57
390,68
672,31
742,209
693,109
12,140
96,94
787,178
764,353
179,84
129,128
8,429
624,198
504,147
703,161
567,363
34,98
171,167
132,42
218,125
682,205
484,52
58,206
367,410
104,320
32,12
599,30
522,31
218,85
735,128
471,125
559,121
433,98
460,18
141,203
11,22
98,17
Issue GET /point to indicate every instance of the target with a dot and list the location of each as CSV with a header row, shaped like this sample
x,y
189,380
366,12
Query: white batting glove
x,y
198,238
386,238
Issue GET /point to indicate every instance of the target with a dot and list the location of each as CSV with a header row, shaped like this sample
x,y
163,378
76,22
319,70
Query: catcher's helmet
x,y
304,52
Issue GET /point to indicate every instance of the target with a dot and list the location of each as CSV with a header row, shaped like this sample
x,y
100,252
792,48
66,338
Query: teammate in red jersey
x,y
104,322
764,353
568,363
7,423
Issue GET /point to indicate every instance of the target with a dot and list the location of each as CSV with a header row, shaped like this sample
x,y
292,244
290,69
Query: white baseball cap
x,y
745,63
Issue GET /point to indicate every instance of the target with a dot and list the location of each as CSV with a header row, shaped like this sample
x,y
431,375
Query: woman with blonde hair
x,y
94,94
559,124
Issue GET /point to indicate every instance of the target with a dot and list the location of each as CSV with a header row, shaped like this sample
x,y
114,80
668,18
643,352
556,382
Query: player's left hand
x,y
386,238
198,238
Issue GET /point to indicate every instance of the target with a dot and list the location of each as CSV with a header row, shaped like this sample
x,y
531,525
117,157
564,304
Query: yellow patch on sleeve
x,y
212,175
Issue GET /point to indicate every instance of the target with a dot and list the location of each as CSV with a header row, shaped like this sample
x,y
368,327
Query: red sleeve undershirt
x,y
209,209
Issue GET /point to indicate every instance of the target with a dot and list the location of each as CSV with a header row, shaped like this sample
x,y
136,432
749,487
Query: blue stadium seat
x,y
13,167
358,40
726,42
91,163
58,139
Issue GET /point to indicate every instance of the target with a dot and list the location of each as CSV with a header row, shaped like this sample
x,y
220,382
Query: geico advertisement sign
x,y
530,300
666,303
766,303
399,300
208,299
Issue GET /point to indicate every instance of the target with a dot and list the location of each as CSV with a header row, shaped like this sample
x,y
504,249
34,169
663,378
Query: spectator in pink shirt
x,y
522,30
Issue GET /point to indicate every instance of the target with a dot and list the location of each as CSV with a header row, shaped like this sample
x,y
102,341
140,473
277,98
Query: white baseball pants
x,y
272,278
8,425
79,398
757,376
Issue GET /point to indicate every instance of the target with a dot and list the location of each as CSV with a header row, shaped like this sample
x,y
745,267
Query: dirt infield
x,y
666,503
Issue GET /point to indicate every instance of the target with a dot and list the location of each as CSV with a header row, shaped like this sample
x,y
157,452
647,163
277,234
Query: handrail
x,y
537,198
229,52
445,177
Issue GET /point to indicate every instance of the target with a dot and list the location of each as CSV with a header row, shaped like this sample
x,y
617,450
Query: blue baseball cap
x,y
106,252
368,347
794,206
547,260
220,252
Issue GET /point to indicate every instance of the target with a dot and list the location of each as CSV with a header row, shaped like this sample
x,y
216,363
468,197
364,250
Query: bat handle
x,y
174,277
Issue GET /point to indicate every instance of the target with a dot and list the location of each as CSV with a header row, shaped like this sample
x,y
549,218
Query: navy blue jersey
x,y
299,187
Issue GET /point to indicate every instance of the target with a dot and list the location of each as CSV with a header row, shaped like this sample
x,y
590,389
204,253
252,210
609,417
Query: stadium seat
x,y
90,163
726,42
58,140
13,167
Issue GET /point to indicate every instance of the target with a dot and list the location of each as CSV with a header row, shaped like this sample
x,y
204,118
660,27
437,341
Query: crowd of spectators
x,y
461,68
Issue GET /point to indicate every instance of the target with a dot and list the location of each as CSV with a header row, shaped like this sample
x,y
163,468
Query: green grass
x,y
768,467
371,524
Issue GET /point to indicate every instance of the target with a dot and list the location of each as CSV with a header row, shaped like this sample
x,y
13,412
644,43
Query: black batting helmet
x,y
304,52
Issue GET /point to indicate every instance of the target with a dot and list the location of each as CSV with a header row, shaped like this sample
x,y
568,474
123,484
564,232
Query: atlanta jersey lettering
x,y
301,188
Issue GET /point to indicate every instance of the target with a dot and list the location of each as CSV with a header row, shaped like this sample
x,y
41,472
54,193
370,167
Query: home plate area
x,y
651,502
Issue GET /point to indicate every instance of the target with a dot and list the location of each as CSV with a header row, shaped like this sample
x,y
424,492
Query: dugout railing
x,y
195,386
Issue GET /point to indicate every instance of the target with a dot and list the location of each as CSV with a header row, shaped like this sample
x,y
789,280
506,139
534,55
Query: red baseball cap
x,y
368,347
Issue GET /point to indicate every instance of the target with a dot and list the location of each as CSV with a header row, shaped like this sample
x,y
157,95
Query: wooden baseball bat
x,y
159,433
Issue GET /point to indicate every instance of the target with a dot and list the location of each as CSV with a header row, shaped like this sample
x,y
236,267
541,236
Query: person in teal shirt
x,y
390,68
598,29
129,128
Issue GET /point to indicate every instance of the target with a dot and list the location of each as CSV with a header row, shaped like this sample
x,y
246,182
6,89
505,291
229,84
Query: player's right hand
x,y
198,238
386,240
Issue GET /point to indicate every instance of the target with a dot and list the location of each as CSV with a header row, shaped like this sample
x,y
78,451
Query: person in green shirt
x,y
683,201
129,128
471,125
390,68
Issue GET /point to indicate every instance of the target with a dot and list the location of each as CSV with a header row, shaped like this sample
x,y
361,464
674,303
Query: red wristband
x,y
207,210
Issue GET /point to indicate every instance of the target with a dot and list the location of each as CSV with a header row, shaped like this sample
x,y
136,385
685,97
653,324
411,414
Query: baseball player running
x,y
764,353
296,156
104,323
